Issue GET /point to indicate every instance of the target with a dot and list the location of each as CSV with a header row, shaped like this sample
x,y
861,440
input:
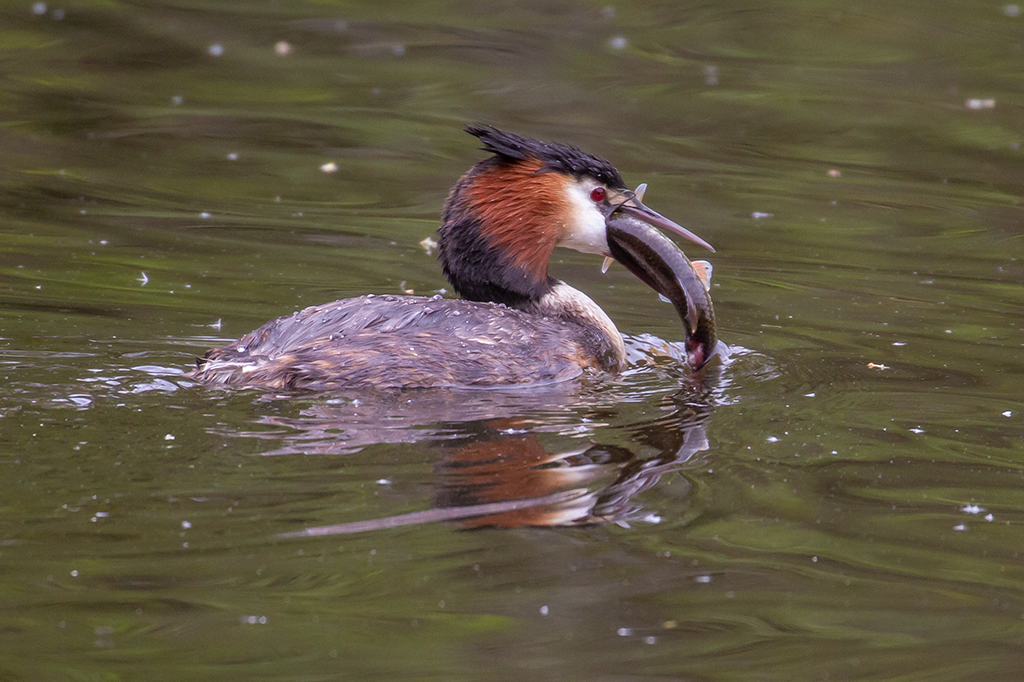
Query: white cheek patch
x,y
584,223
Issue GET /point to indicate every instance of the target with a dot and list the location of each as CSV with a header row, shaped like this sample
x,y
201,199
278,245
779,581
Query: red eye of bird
x,y
597,194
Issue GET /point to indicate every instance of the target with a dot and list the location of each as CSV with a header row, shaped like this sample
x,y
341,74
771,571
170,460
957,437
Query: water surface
x,y
841,500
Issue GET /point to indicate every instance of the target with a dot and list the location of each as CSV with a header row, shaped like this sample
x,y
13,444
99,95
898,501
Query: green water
x,y
843,500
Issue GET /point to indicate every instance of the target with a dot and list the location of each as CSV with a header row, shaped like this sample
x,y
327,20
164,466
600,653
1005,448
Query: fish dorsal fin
x,y
703,270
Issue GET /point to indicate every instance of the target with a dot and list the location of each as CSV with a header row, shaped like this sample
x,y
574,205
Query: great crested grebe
x,y
514,324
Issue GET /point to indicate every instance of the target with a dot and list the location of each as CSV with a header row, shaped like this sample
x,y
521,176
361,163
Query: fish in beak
x,y
635,242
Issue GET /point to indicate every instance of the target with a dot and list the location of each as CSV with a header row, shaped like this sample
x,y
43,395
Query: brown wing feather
x,y
401,341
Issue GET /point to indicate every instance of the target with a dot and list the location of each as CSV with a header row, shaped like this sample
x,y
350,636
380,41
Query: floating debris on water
x,y
711,75
977,104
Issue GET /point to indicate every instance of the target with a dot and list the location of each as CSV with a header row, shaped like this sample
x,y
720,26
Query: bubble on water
x,y
618,43
215,50
39,8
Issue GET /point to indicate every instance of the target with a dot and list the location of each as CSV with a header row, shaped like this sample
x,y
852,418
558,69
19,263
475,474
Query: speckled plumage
x,y
405,342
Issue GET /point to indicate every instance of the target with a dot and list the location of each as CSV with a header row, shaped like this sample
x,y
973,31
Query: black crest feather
x,y
556,157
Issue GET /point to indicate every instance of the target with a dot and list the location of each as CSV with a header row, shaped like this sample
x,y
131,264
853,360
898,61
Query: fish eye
x,y
597,194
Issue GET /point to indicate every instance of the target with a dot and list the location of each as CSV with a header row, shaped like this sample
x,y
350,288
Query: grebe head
x,y
504,217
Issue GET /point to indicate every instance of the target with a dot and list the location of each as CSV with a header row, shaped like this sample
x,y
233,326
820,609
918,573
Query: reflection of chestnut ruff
x,y
519,468
600,480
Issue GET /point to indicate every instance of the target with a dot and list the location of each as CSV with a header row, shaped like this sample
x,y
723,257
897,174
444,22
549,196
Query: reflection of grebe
x,y
516,324
500,473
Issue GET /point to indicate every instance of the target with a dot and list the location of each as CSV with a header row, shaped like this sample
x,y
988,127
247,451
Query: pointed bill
x,y
634,206
607,263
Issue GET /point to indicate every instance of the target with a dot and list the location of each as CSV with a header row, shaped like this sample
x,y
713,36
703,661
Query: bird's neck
x,y
564,302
